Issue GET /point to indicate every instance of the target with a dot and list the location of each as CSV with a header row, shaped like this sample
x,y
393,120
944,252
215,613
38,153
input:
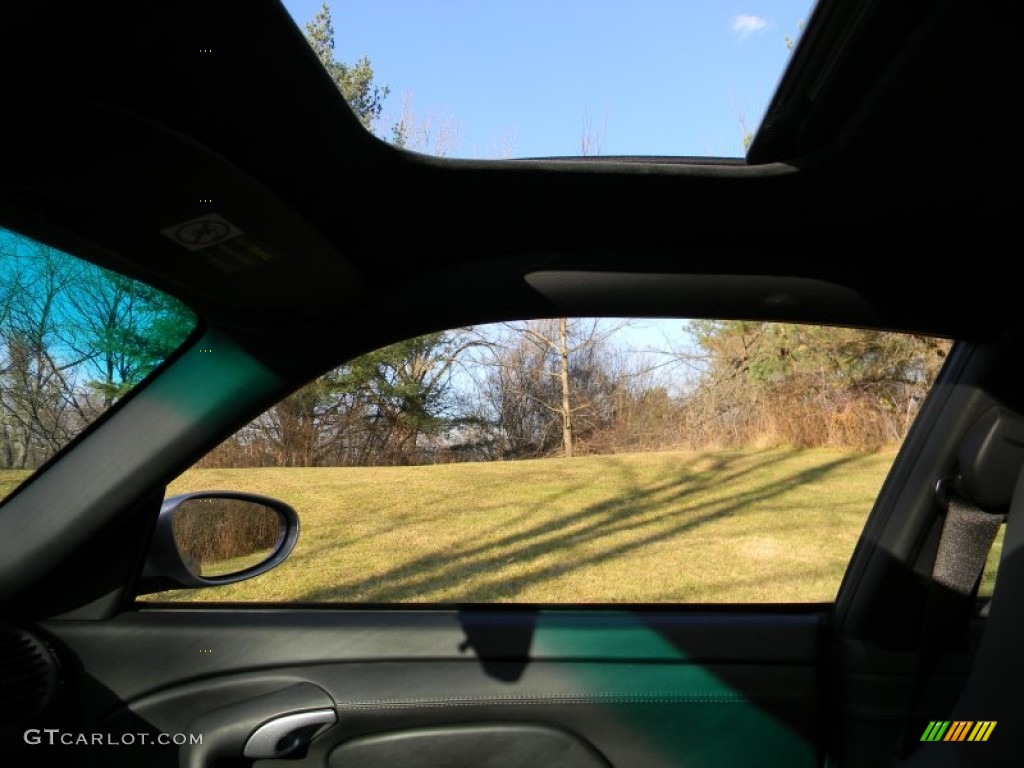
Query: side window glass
x,y
988,575
577,460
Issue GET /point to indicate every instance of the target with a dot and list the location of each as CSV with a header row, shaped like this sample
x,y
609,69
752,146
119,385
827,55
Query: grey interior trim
x,y
258,638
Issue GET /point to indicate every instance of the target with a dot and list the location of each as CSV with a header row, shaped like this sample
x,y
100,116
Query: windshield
x,y
74,339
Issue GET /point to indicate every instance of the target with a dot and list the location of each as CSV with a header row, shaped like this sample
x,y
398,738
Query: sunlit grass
x,y
735,526
988,574
11,479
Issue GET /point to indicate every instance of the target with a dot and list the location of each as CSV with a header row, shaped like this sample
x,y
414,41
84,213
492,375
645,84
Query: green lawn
x,y
734,526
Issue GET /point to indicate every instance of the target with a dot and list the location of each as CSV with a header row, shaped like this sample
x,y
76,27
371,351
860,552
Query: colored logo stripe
x,y
958,730
935,730
982,730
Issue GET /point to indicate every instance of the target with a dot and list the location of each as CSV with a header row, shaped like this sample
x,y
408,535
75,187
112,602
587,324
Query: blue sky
x,y
524,78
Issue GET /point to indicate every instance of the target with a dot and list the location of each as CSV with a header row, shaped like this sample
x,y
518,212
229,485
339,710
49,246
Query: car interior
x,y
879,192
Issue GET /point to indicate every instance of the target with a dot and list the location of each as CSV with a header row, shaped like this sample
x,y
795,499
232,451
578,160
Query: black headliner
x,y
893,176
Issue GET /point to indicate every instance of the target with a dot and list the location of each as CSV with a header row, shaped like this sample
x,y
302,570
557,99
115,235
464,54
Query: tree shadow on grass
x,y
605,521
327,544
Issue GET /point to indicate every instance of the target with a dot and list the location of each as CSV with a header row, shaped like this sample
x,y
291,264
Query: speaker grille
x,y
28,676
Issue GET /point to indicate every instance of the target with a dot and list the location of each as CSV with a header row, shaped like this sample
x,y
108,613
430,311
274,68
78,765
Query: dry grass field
x,y
718,527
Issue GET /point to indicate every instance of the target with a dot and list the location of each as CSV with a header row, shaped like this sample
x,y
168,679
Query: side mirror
x,y
210,538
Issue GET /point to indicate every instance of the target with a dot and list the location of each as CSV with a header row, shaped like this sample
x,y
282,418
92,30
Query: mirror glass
x,y
217,537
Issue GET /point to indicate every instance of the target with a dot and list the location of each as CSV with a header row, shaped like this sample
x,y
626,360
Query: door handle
x,y
287,733
272,725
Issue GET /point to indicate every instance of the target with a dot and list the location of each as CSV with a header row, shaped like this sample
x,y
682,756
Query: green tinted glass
x,y
74,339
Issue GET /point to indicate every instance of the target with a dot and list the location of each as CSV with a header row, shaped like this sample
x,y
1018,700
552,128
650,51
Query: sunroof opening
x,y
537,78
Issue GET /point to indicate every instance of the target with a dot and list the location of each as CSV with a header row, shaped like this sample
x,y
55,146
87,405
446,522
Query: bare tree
x,y
551,381
591,137
42,404
434,133
73,338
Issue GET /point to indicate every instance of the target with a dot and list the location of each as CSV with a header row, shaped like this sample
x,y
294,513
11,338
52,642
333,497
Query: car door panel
x,y
631,688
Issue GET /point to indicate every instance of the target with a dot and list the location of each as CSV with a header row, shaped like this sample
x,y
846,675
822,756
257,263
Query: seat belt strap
x,y
967,535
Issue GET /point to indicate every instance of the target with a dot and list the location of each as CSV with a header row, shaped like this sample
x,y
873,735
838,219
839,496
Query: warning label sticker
x,y
203,232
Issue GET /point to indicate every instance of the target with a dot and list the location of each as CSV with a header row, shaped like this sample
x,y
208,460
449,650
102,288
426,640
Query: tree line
x,y
565,387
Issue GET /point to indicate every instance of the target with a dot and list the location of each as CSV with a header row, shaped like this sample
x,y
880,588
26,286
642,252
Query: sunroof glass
x,y
536,78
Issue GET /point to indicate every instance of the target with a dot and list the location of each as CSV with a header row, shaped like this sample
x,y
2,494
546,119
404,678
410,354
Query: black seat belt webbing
x,y
967,535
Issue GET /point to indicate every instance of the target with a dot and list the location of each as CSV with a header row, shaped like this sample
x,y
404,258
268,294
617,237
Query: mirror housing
x,y
168,566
